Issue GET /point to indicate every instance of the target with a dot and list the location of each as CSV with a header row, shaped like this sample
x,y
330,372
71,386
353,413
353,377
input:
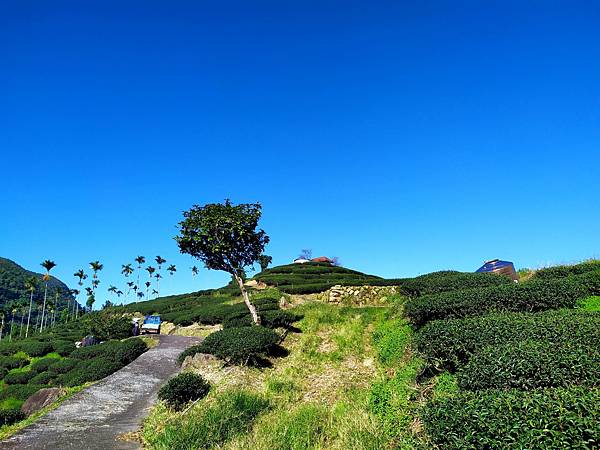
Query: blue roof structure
x,y
494,264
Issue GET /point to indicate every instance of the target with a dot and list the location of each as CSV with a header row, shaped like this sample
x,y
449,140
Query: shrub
x,y
43,378
12,362
448,280
8,348
19,377
41,365
20,391
182,389
541,419
63,365
190,351
240,345
63,347
127,351
122,352
567,270
237,320
35,348
3,372
450,343
279,319
87,371
107,325
9,416
532,364
527,297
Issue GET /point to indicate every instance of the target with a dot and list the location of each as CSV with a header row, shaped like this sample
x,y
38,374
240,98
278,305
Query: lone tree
x,y
224,237
264,261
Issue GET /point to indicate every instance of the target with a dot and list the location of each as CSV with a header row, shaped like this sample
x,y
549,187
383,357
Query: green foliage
x,y
43,378
35,348
269,319
223,236
533,364
20,391
212,425
182,389
567,270
391,338
106,325
63,347
237,345
448,280
89,370
451,343
63,365
541,419
122,352
21,377
527,297
9,416
12,362
41,365
590,303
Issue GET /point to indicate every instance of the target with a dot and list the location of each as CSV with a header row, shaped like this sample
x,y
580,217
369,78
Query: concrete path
x,y
94,417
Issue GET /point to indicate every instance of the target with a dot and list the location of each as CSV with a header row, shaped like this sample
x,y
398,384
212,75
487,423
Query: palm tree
x,y
126,270
91,298
139,260
140,295
75,293
150,271
147,288
30,284
159,262
48,265
119,293
113,290
96,267
14,307
82,276
194,271
172,269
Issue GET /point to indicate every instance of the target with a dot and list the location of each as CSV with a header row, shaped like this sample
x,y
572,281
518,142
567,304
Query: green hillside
x,y
12,285
311,277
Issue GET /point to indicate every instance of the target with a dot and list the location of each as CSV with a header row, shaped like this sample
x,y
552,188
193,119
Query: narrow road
x,y
94,417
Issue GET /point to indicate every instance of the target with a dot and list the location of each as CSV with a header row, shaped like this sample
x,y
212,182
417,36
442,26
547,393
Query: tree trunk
x,y
44,307
12,321
29,314
21,328
250,306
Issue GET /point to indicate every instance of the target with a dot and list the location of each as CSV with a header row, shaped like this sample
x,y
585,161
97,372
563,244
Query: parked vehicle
x,y
151,325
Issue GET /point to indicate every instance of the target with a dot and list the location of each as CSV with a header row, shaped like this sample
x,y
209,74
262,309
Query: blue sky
x,y
402,137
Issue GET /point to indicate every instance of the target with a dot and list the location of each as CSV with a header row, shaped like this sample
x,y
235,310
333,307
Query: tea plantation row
x,y
524,360
51,359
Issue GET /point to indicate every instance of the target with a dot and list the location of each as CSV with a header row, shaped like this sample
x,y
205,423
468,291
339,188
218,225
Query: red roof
x,y
324,259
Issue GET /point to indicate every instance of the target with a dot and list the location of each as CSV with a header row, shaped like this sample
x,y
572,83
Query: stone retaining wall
x,y
358,295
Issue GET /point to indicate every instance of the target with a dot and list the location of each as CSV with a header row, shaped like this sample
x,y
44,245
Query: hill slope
x,y
12,284
311,277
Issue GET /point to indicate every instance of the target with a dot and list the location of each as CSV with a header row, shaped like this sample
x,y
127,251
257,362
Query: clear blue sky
x,y
403,139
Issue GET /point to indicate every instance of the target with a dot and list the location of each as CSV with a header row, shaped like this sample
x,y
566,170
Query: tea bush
x,y
182,389
448,280
541,419
19,377
567,270
12,362
20,391
237,345
527,297
122,352
63,365
35,348
532,364
41,365
9,416
450,343
63,347
43,378
90,370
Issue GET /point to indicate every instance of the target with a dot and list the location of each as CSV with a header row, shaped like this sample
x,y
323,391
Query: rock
x,y
41,399
200,360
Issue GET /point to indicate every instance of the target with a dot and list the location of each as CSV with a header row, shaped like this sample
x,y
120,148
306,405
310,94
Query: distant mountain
x,y
12,285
